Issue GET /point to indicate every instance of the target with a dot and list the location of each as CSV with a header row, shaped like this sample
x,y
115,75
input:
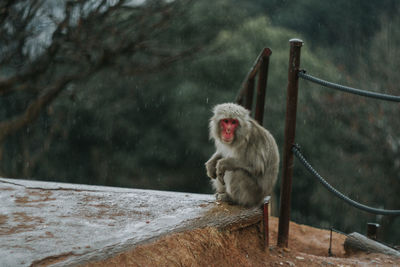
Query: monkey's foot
x,y
224,197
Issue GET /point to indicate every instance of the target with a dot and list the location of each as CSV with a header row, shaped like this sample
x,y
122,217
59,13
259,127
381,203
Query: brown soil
x,y
244,247
24,221
33,196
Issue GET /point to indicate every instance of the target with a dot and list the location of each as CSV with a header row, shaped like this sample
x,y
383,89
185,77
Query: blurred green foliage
x,y
151,130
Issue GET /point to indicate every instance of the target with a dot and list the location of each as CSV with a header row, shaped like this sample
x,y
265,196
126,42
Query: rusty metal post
x,y
249,94
262,86
266,222
372,230
290,129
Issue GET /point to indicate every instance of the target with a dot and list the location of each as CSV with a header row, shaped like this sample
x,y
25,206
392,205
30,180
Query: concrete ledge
x,y
54,224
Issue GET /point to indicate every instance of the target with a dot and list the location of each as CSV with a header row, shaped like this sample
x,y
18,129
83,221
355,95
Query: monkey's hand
x,y
211,169
223,165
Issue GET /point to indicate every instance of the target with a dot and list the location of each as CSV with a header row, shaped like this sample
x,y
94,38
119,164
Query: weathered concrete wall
x,y
53,224
43,223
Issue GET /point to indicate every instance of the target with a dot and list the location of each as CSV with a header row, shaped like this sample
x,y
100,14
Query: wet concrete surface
x,y
56,224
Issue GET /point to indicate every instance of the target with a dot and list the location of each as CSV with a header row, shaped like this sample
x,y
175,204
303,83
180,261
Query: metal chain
x,y
302,74
297,153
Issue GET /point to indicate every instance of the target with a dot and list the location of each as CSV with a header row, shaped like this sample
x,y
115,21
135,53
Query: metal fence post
x,y
290,129
265,224
246,92
249,94
262,86
372,230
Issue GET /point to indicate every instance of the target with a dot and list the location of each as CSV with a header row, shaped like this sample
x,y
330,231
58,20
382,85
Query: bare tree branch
x,y
107,36
32,112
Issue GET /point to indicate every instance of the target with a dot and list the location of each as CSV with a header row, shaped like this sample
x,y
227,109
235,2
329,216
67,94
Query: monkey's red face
x,y
228,127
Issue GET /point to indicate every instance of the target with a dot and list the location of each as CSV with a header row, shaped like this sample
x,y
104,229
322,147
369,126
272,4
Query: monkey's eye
x,y
226,121
234,122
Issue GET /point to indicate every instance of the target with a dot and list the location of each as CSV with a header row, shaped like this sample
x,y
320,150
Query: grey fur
x,y
244,171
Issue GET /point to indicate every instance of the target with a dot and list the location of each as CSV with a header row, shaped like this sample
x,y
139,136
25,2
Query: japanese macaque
x,y
244,168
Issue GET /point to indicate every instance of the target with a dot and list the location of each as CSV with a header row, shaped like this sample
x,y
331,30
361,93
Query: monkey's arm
x,y
211,165
231,164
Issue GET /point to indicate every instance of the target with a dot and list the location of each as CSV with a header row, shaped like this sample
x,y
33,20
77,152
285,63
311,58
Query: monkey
x,y
244,167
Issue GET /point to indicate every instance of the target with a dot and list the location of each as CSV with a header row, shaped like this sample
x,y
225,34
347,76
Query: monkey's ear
x,y
247,113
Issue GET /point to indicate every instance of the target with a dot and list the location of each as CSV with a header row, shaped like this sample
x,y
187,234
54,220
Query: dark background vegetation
x,y
119,93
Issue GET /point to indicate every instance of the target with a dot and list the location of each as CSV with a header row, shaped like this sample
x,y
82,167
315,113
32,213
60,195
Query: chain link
x,y
297,153
302,74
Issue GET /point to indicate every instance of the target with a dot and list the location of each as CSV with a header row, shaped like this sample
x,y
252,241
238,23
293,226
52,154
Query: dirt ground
x,y
244,247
